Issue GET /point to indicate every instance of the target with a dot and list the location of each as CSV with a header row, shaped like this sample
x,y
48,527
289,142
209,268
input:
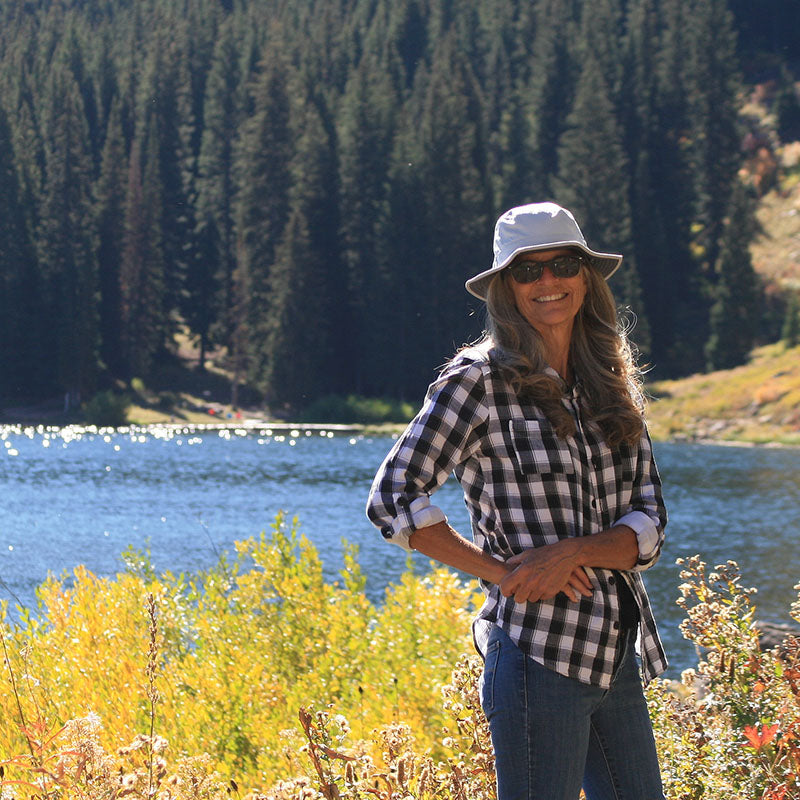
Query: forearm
x,y
615,548
541,573
444,544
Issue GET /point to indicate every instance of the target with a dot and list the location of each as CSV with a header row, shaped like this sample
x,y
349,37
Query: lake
x,y
74,497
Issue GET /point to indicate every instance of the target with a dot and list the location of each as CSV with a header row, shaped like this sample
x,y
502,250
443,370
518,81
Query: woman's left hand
x,y
542,572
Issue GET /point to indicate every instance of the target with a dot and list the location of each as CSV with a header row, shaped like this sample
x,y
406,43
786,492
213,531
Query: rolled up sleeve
x,y
646,514
444,433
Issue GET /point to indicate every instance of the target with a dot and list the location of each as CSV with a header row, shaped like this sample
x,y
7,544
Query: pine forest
x,y
305,185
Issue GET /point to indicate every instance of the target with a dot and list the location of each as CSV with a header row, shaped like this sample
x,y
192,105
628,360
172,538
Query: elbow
x,y
649,549
649,538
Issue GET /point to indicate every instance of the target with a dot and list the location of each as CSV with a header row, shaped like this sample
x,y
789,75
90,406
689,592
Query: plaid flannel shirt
x,y
526,487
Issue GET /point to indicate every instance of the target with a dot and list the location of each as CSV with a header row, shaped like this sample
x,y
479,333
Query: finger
x,y
522,596
508,585
581,587
570,592
579,577
578,590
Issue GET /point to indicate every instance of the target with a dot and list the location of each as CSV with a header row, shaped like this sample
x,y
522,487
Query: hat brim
x,y
605,263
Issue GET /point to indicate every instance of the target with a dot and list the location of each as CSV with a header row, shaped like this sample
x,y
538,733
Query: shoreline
x,y
251,424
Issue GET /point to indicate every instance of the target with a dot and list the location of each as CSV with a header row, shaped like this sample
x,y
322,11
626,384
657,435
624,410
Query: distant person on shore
x,y
541,420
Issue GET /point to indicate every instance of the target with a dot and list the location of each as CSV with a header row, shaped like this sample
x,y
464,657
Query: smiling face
x,y
549,304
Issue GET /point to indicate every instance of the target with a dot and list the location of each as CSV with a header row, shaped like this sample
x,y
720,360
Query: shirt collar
x,y
573,390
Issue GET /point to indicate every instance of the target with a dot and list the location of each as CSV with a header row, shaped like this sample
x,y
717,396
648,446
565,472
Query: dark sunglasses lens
x,y
526,272
530,271
567,267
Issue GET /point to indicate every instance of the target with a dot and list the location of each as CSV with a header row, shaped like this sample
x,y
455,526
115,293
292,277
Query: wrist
x,y
572,550
498,570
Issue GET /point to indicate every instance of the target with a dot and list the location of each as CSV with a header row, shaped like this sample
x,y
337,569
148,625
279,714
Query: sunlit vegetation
x,y
758,402
259,679
240,649
355,409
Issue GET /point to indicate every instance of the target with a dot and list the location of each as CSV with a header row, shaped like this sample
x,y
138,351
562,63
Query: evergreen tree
x,y
711,79
737,300
66,242
787,107
553,76
20,292
602,40
73,51
262,199
684,305
643,142
365,140
109,216
403,293
593,183
418,121
222,112
456,201
203,310
297,353
159,110
407,33
143,324
308,285
790,333
28,147
510,166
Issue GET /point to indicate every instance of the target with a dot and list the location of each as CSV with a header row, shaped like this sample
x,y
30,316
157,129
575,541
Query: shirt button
x,y
594,503
616,626
612,580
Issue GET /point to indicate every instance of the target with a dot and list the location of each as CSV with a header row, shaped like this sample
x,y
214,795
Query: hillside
x,y
758,402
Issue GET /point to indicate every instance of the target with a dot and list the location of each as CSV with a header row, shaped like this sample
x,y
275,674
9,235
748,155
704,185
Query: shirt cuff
x,y
646,533
422,514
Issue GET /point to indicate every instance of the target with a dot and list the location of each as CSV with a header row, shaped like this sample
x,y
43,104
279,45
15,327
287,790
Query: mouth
x,y
549,298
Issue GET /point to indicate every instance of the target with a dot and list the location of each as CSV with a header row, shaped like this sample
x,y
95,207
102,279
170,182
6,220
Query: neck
x,y
557,354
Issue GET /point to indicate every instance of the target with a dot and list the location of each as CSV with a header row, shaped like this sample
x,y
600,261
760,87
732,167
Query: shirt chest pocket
x,y
537,449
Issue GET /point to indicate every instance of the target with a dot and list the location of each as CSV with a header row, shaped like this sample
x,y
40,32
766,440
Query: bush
x,y
107,410
167,401
733,728
790,333
354,409
238,653
184,688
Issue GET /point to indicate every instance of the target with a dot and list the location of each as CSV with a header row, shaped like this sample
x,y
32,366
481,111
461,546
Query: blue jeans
x,y
552,734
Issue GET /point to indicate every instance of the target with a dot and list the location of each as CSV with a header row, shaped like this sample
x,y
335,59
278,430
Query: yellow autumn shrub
x,y
241,647
260,679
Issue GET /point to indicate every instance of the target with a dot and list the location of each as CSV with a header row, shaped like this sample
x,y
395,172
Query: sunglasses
x,y
561,267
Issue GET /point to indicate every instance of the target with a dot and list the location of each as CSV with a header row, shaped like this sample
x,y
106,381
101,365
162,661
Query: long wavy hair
x,y
600,354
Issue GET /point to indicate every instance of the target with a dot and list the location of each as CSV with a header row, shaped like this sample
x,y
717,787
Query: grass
x,y
757,403
776,251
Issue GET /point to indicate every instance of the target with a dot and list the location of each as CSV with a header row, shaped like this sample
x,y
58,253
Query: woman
x,y
542,423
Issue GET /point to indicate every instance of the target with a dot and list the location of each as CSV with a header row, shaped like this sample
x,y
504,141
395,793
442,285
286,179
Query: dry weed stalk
x,y
13,680
152,693
401,772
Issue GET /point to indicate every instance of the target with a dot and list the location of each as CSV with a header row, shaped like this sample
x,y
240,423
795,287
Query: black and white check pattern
x,y
526,487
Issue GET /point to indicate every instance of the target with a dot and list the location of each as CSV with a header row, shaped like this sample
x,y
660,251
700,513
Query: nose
x,y
546,275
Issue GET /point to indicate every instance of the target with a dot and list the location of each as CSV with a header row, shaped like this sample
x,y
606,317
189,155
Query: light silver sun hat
x,y
537,226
